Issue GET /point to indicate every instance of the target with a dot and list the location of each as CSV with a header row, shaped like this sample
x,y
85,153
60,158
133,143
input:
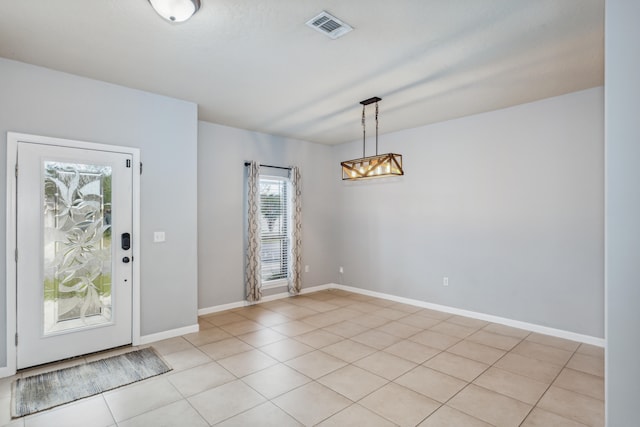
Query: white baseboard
x,y
280,295
587,339
147,339
600,342
317,288
222,307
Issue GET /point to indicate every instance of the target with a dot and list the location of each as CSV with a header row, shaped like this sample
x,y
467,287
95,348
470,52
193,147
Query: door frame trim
x,y
13,138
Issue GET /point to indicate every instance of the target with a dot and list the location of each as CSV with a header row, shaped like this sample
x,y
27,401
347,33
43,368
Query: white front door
x,y
74,254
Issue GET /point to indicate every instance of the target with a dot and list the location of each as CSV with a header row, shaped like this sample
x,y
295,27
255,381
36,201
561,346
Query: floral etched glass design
x,y
77,246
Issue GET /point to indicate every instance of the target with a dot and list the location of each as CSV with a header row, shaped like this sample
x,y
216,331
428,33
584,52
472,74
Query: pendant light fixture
x,y
175,10
378,166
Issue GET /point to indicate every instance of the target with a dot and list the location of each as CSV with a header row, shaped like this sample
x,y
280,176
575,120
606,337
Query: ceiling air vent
x,y
329,25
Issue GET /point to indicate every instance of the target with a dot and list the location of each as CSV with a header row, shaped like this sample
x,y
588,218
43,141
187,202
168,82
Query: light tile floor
x,y
333,358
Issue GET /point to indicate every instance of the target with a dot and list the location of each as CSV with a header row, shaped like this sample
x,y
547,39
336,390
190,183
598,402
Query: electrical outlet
x,y
445,281
306,268
341,270
158,236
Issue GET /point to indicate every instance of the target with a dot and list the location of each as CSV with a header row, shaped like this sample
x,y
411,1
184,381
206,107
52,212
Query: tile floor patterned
x,y
333,358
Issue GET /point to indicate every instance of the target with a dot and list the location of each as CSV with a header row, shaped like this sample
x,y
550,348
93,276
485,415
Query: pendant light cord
x,y
364,127
364,133
376,128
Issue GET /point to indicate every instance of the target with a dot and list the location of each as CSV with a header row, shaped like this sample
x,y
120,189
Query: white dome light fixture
x,y
175,10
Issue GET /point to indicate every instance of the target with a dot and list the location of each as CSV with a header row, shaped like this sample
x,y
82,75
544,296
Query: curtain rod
x,y
270,166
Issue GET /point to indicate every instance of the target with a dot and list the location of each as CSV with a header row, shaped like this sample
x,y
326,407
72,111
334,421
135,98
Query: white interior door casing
x,y
92,251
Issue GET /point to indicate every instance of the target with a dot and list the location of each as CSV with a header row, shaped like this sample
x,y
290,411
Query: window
x,y
275,217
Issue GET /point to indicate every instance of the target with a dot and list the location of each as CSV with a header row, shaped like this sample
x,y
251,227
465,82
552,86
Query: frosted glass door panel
x,y
77,246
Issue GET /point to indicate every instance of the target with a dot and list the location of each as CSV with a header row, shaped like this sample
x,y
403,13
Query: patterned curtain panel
x,y
296,235
253,281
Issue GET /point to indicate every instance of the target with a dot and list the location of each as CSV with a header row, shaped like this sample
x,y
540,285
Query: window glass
x,y
275,219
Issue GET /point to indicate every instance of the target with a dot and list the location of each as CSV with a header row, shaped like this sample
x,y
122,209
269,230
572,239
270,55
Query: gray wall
x,y
508,205
44,102
622,114
222,152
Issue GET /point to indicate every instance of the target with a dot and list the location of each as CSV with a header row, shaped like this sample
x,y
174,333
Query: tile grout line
x,y
347,364
550,385
475,378
305,304
388,321
440,321
113,416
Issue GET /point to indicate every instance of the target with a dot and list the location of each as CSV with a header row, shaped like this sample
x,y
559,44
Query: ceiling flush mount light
x,y
377,166
175,10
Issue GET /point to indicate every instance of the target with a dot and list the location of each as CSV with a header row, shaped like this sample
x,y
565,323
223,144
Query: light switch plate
x,y
158,236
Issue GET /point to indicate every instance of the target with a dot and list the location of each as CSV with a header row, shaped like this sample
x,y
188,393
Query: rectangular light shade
x,y
379,166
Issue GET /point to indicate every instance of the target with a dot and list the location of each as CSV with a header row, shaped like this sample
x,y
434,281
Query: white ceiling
x,y
254,64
